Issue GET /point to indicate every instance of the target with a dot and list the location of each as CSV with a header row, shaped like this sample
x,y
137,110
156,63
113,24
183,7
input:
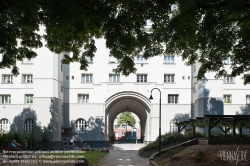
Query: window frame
x,y
228,79
176,98
4,127
113,59
9,80
84,99
80,127
227,101
88,78
27,61
247,99
171,78
3,97
112,76
140,59
30,97
27,78
28,125
169,59
141,78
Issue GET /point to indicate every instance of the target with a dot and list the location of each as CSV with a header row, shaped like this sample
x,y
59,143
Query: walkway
x,y
125,155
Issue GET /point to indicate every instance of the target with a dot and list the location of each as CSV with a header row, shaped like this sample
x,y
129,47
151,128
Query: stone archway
x,y
137,103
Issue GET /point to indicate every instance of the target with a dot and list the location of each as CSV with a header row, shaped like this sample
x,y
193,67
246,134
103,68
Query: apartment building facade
x,y
83,105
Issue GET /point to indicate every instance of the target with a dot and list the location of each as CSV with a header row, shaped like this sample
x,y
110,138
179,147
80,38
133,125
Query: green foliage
x,y
45,140
205,31
171,152
126,117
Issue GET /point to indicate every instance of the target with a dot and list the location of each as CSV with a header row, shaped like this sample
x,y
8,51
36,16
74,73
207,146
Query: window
x,y
247,99
87,78
227,98
141,59
228,61
28,99
27,61
4,126
27,78
194,67
89,59
83,98
228,79
112,59
169,78
80,126
6,99
141,78
168,59
114,78
173,126
173,99
28,125
61,88
7,79
174,7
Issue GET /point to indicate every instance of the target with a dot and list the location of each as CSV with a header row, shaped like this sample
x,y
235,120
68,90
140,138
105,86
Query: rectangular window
x,y
27,78
141,59
247,99
87,78
28,99
27,61
227,98
89,59
228,61
228,80
6,99
83,98
169,78
173,99
168,59
7,79
114,78
141,77
112,59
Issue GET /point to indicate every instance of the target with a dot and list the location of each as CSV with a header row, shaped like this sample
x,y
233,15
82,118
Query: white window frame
x,y
228,80
173,126
173,99
227,98
89,59
83,98
27,78
29,99
28,125
27,61
141,78
247,99
141,59
7,79
4,125
114,78
87,78
112,59
6,99
169,59
80,125
169,78
228,61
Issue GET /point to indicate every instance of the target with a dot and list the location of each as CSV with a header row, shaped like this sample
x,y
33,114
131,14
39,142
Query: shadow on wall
x,y
94,131
182,117
244,110
22,121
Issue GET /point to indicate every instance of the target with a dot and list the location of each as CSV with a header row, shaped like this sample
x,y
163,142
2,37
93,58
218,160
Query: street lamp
x,y
151,98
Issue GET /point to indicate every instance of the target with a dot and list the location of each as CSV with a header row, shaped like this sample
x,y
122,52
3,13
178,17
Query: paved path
x,y
125,155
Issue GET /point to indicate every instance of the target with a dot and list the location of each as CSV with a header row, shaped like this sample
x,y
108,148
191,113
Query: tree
x,y
207,31
126,118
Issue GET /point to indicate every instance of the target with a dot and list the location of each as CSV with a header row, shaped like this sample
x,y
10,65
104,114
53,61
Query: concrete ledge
x,y
187,143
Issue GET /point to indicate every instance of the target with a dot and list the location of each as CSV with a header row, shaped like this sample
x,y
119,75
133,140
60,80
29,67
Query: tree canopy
x,y
126,118
206,31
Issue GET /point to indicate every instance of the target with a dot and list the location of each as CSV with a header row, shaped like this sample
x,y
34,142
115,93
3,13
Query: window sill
x,y
229,83
86,82
141,63
169,63
113,63
7,83
169,82
27,63
29,103
173,103
114,83
140,83
27,82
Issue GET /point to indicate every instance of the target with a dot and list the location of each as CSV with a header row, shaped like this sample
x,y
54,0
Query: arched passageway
x,y
137,103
